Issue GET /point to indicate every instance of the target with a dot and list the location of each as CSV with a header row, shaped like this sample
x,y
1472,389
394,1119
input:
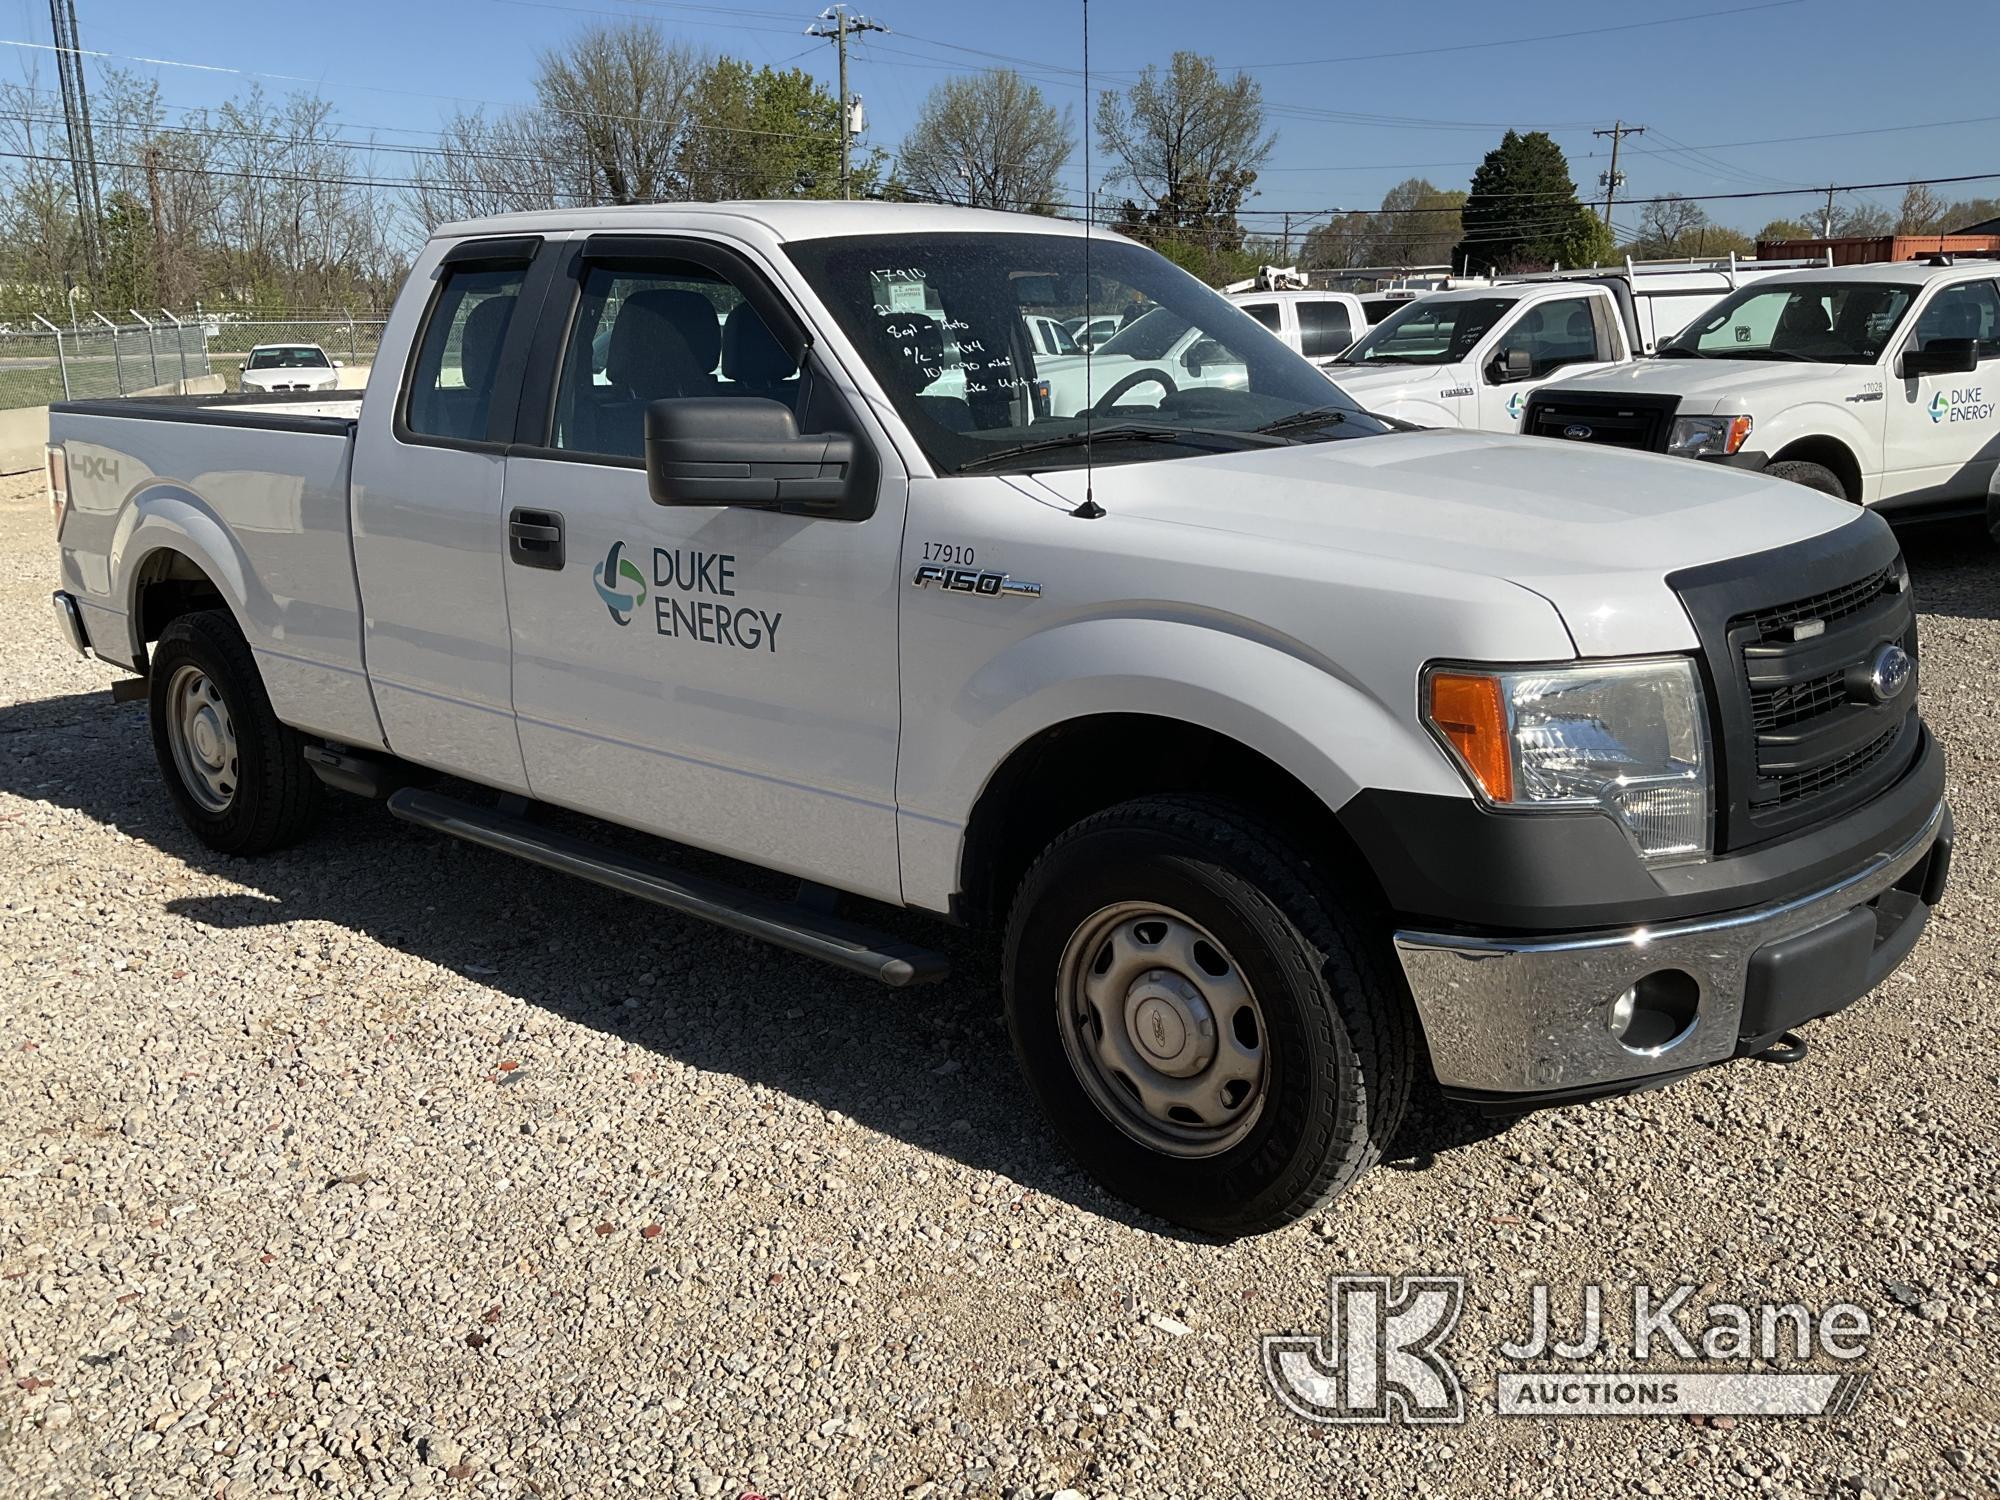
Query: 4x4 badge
x,y
973,581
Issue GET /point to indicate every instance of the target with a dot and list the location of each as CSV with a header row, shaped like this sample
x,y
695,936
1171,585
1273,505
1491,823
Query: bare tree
x,y
617,98
1190,142
990,141
1922,212
482,166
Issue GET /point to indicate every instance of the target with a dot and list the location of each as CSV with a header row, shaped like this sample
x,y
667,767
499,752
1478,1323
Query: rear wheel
x,y
237,776
1214,1038
1812,476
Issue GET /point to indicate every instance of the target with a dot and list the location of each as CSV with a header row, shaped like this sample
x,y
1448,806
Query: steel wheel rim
x,y
1163,1030
203,738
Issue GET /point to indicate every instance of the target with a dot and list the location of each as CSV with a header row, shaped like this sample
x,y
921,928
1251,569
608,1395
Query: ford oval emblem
x,y
1889,673
1577,432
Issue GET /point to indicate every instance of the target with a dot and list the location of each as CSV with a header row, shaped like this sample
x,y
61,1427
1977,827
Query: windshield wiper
x,y
1318,416
1215,439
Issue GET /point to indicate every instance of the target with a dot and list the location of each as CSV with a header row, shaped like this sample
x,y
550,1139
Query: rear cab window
x,y
449,392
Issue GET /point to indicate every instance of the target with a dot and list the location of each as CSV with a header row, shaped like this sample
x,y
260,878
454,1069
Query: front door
x,y
722,676
1563,336
1943,431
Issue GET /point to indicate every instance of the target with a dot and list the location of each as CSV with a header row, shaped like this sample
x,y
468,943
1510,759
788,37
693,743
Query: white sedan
x,y
289,367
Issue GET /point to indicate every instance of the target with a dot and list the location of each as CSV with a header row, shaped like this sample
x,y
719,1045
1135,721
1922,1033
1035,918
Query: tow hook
x,y
1786,1050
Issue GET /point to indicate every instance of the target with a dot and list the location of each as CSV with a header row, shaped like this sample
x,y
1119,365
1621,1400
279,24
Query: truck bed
x,y
249,492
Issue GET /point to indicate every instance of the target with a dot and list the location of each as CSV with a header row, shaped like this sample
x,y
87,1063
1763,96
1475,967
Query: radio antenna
x,y
1090,510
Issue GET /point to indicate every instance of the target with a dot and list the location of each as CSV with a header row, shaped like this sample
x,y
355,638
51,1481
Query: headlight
x,y
1626,738
1704,437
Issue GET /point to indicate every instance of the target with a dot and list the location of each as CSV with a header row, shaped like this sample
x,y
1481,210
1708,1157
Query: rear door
x,y
429,523
718,675
1941,431
1326,328
1562,336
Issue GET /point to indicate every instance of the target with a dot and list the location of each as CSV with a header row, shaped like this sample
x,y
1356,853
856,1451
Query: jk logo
x,y
1379,1359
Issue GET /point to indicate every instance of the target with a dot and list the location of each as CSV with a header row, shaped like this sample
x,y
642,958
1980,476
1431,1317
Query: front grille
x,y
1636,422
1837,772
1776,707
1800,740
1827,607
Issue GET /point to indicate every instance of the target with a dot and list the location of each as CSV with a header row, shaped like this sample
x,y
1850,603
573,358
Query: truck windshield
x,y
287,359
940,321
1429,332
1825,322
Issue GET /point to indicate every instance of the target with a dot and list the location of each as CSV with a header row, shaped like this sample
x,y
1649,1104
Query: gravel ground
x,y
388,1166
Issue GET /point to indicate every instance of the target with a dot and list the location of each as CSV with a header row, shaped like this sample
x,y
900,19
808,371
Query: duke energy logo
x,y
1940,404
1514,404
1965,403
612,577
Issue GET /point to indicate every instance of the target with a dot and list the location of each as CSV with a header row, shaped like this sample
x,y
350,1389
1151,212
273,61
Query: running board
x,y
816,934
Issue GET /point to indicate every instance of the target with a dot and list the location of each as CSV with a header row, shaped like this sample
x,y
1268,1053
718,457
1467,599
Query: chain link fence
x,y
165,353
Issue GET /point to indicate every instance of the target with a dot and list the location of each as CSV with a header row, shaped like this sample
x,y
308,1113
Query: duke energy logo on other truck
x,y
611,576
1966,404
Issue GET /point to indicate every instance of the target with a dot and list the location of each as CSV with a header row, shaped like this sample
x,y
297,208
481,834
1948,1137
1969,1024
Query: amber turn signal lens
x,y
1467,709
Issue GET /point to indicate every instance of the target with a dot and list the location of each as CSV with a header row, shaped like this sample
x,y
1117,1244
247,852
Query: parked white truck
x,y
1294,754
1472,355
1877,384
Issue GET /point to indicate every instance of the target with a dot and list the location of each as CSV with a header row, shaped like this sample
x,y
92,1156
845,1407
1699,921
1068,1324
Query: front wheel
x,y
1812,476
1204,1027
237,776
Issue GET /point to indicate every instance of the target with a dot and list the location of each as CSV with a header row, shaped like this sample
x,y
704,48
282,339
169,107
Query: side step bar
x,y
800,928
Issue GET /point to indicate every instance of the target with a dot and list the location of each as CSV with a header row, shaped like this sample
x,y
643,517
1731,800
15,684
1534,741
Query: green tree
x,y
1788,229
1523,213
762,133
988,140
128,278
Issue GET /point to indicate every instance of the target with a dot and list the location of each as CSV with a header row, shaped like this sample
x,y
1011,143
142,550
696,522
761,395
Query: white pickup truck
x,y
1294,754
1878,384
1472,355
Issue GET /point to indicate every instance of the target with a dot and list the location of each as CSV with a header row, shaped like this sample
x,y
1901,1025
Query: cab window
x,y
1555,333
1324,329
655,332
1968,311
1264,312
458,357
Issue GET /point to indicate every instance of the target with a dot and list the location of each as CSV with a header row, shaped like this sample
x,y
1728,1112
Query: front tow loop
x,y
1786,1050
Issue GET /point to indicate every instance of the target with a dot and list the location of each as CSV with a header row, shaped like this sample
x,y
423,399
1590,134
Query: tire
x,y
1334,1027
1812,476
237,776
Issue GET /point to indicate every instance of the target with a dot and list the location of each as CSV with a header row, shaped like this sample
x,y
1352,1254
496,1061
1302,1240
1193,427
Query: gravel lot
x,y
392,1167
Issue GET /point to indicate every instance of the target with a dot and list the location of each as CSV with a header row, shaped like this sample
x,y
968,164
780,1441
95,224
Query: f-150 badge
x,y
973,581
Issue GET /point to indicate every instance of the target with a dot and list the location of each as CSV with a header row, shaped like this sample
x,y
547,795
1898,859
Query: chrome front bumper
x,y
1534,1015
69,620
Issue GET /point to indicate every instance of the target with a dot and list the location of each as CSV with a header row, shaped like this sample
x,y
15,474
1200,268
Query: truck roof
x,y
1906,272
787,218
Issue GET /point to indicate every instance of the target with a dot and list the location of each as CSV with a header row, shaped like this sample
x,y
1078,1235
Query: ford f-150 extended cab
x,y
1294,752
1878,384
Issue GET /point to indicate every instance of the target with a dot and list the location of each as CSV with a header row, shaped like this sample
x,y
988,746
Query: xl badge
x,y
973,581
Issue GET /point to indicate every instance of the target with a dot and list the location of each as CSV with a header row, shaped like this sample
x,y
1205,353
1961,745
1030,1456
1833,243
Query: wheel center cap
x,y
206,736
1170,1023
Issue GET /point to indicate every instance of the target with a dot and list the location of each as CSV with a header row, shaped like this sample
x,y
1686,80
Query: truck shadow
x,y
1954,567
930,1066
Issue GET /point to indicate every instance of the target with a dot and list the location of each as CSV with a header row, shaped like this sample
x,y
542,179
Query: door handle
x,y
535,538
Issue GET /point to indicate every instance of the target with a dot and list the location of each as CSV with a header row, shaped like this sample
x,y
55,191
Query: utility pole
x,y
155,212
1618,131
1826,220
836,25
76,123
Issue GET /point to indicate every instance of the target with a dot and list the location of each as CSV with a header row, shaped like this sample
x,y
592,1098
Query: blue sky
x,y
1716,92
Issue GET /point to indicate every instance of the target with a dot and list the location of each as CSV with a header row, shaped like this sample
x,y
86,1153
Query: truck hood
x,y
1709,385
1594,531
300,379
1363,383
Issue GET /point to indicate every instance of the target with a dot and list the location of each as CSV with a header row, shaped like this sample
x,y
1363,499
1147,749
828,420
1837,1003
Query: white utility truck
x,y
1292,751
1878,384
1472,355
1319,325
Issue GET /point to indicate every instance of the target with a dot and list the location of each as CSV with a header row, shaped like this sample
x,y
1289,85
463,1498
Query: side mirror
x,y
338,364
1940,357
745,450
1510,365
1203,352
